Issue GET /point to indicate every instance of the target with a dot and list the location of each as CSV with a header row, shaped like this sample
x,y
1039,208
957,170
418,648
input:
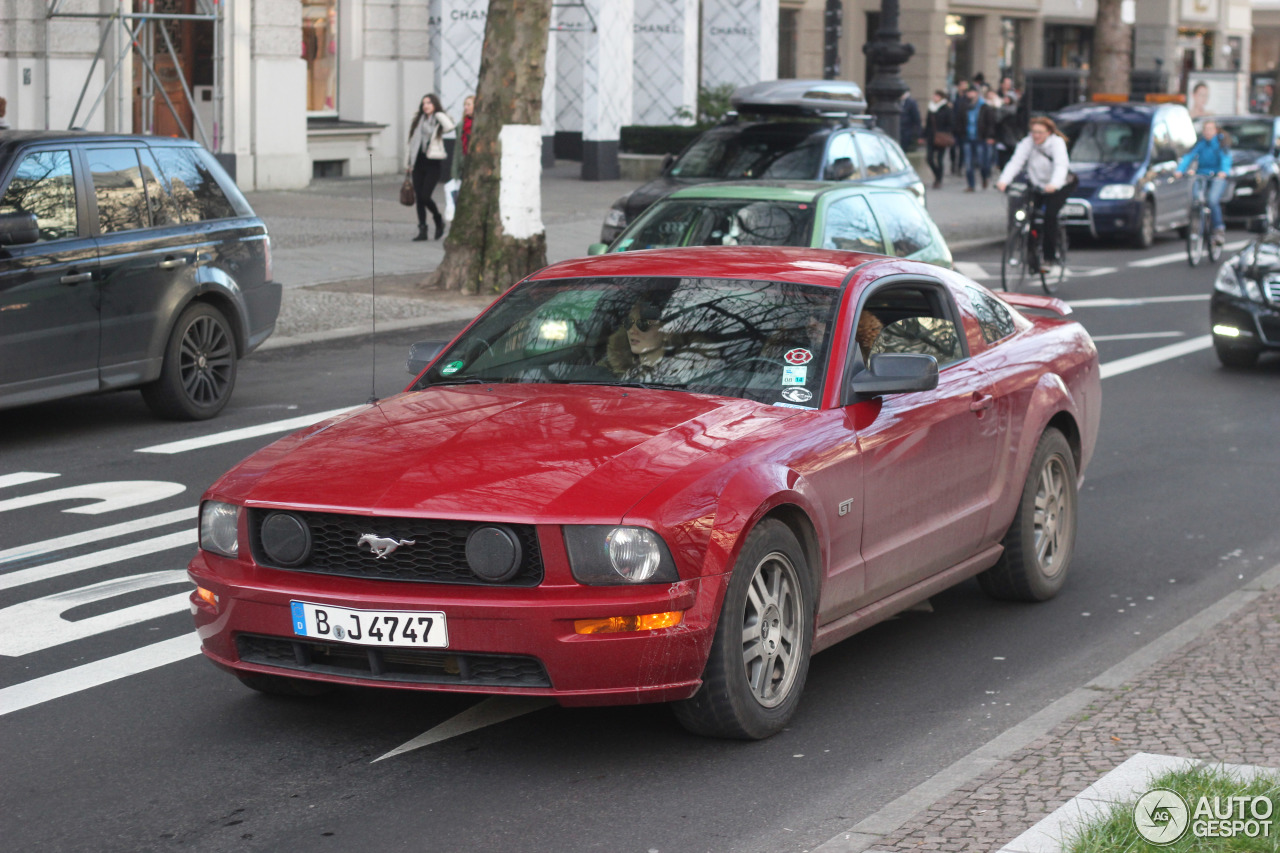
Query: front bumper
x,y
501,639
1102,217
1258,323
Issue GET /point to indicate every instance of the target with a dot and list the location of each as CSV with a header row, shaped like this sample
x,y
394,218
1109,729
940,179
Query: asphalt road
x,y
1176,512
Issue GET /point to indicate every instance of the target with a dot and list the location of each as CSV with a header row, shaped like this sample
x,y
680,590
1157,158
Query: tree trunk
x,y
1109,70
497,237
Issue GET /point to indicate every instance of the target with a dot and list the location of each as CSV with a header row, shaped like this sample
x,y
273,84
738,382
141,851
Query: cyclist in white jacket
x,y
1043,154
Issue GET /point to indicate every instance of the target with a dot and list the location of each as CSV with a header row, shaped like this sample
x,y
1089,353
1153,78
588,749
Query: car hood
x,y
1244,157
503,452
659,188
1094,175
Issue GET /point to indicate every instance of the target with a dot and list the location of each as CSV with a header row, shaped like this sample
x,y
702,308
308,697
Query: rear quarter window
x,y
196,191
994,318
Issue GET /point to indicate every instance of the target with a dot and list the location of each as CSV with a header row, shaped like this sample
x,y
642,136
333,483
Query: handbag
x,y
943,139
407,197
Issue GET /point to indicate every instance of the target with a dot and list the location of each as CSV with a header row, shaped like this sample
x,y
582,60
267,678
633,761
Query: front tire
x,y
1013,262
199,370
1196,237
1041,540
760,654
1146,233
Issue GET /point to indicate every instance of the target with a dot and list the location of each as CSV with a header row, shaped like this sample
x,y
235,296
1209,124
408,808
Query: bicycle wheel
x,y
1013,262
1196,237
1052,281
1212,245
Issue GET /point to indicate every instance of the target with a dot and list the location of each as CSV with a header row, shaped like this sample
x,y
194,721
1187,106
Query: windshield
x,y
1248,135
1105,141
765,341
719,222
751,155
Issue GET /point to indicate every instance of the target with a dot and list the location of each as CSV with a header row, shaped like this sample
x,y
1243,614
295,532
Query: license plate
x,y
1073,210
412,628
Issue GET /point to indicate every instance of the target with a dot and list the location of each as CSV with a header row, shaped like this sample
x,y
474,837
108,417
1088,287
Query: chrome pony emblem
x,y
380,545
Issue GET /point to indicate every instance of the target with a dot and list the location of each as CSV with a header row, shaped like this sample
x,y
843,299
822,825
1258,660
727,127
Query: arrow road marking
x,y
229,436
490,712
109,497
20,477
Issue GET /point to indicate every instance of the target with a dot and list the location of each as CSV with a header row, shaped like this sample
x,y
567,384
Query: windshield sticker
x,y
451,367
799,355
797,395
794,375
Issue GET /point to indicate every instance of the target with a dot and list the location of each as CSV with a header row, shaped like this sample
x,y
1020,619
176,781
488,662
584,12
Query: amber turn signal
x,y
620,624
207,596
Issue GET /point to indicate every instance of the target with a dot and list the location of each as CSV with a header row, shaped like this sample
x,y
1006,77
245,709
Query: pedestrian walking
x,y
1008,132
939,135
909,123
426,160
454,185
958,104
976,130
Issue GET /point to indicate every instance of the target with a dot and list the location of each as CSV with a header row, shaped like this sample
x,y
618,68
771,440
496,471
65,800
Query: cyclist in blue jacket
x,y
1212,157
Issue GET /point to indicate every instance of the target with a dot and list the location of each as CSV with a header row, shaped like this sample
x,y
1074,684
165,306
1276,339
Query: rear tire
x,y
199,370
1050,283
1013,262
1214,246
1040,542
760,654
1196,239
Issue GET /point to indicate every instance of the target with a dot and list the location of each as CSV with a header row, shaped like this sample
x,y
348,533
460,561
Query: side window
x,y
1182,131
163,210
851,225
841,149
911,319
874,158
43,184
896,157
195,190
994,317
117,184
905,223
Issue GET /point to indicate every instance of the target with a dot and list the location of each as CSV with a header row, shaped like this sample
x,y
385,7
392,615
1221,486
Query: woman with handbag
x,y
426,160
939,135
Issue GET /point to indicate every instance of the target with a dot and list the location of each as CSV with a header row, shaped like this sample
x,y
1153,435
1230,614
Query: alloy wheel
x,y
1052,520
771,630
206,360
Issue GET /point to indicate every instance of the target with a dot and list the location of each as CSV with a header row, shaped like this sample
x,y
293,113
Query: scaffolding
x,y
144,32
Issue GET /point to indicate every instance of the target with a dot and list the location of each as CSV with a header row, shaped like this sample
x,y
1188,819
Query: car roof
x,y
1134,113
808,97
1239,117
774,190
9,138
823,267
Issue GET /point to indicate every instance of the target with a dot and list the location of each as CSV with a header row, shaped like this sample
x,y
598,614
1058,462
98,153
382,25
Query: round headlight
x,y
493,553
1019,215
286,539
634,552
219,528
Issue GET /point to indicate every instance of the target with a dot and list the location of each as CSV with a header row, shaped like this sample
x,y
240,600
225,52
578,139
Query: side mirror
x,y
597,248
423,353
18,229
896,373
839,169
667,161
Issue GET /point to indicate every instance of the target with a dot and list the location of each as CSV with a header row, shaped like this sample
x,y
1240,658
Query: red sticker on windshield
x,y
798,356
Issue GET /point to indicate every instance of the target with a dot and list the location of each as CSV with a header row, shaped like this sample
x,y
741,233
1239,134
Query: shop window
x,y
320,51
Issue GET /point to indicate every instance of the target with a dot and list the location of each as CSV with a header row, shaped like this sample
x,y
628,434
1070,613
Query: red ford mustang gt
x,y
665,476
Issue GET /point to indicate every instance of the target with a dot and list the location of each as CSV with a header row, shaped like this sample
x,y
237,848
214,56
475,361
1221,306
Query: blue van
x,y
1126,157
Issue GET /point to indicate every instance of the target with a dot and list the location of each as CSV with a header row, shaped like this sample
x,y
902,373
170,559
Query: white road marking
x,y
1118,302
972,269
491,711
1138,336
1158,260
1093,272
19,477
1155,356
59,684
229,436
109,497
186,538
48,546
39,624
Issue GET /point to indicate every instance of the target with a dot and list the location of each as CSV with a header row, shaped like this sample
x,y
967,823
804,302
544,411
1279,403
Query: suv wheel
x,y
1146,233
199,370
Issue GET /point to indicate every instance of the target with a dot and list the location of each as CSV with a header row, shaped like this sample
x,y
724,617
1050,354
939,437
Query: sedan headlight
x,y
220,528
605,555
1116,192
1232,283
617,215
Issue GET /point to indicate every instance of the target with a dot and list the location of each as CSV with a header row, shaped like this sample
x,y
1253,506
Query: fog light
x,y
493,553
1226,331
286,539
622,624
207,596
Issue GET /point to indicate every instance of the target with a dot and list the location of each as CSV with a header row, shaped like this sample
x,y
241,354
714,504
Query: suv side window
x,y
874,158
43,184
851,225
163,209
841,149
195,190
117,185
904,222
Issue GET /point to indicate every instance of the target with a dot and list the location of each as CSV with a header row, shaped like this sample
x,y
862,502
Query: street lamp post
x,y
887,54
832,19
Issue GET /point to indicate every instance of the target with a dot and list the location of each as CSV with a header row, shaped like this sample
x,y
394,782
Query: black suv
x,y
127,262
806,130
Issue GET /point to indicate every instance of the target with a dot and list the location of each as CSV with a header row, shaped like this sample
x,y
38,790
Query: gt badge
x,y
799,355
380,545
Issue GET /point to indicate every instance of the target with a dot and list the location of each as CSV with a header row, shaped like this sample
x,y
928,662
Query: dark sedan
x,y
1244,311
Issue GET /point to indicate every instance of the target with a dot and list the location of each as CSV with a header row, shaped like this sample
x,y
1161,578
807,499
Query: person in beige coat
x,y
426,159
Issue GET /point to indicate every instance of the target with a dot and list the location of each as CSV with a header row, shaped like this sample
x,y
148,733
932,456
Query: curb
x,y
862,836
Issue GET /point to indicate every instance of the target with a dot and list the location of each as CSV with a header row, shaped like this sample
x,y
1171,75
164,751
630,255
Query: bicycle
x,y
1022,250
1200,229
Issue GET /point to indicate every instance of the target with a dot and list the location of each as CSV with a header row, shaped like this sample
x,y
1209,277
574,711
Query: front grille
x,y
436,666
438,554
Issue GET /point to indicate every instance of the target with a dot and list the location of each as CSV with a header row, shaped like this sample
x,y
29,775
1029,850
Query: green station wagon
x,y
816,214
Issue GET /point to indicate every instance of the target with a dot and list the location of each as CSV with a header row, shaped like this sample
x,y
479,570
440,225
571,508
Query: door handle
x,y
981,402
172,263
76,277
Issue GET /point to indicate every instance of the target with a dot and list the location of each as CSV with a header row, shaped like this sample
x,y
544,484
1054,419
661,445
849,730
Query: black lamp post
x,y
887,54
832,19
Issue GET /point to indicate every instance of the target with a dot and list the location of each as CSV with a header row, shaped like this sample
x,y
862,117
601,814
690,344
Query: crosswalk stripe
x,y
186,538
71,540
1155,356
229,436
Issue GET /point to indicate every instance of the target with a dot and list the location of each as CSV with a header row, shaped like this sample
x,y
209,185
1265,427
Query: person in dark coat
x,y
958,104
909,122
976,130
1008,132
938,120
